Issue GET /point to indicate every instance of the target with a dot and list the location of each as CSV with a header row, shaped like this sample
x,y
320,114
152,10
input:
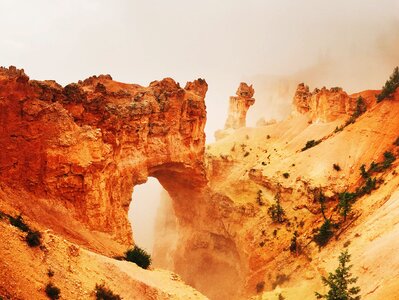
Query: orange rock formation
x,y
238,109
322,104
89,143
71,157
239,106
78,151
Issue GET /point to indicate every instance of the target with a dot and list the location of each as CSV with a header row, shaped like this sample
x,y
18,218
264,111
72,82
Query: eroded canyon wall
x,y
86,145
89,143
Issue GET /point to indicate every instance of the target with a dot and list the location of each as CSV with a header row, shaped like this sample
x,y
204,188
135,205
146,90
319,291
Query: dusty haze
x,y
274,44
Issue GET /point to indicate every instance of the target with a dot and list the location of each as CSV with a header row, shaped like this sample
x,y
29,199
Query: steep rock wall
x,y
86,145
89,143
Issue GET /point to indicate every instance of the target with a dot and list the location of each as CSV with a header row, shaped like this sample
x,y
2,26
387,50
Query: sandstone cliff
x,y
72,155
88,144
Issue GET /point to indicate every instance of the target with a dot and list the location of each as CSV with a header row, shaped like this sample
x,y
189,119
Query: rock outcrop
x,y
86,145
81,149
324,104
239,106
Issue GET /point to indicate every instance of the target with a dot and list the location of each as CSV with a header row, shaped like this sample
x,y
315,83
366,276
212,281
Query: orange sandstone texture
x,y
75,153
325,105
89,143
239,106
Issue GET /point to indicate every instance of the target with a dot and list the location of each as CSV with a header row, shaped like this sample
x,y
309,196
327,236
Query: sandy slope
x,y
23,271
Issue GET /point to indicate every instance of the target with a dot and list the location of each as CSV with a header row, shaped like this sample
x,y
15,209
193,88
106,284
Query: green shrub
x,y
310,144
33,238
276,211
139,256
390,86
369,185
294,247
19,223
340,282
338,129
346,200
389,158
374,167
318,196
286,175
360,107
336,167
50,273
104,293
324,235
52,291
363,172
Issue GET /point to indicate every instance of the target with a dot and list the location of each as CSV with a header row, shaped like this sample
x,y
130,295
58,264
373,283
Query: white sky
x,y
224,42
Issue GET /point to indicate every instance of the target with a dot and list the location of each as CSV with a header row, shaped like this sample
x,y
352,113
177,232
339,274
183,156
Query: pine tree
x,y
324,234
390,86
319,197
294,246
276,211
345,203
340,282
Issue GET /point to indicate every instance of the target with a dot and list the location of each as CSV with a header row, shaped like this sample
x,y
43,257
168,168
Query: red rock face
x,y
89,143
85,146
239,106
323,105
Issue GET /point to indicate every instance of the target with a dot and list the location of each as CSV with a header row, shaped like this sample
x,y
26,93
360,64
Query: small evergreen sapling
x,y
390,86
276,211
325,233
340,282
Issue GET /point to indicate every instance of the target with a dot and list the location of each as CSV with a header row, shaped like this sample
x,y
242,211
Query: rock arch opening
x,y
154,223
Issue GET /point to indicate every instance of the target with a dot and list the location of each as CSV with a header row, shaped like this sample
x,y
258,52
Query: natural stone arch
x,y
85,147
